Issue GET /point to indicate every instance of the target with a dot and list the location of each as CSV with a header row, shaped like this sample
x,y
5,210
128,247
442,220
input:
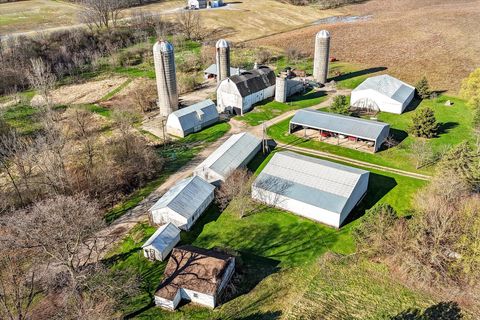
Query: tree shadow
x,y
110,261
441,311
445,127
358,73
270,315
378,187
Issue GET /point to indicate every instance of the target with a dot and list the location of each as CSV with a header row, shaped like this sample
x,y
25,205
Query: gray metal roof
x,y
196,114
232,153
388,86
163,237
320,183
186,196
212,69
350,126
254,80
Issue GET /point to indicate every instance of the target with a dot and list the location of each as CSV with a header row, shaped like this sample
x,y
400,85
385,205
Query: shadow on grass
x,y
355,74
307,96
378,187
413,104
262,316
210,215
445,127
441,311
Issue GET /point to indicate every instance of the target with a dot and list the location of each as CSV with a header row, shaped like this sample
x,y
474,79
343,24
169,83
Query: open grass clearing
x,y
455,128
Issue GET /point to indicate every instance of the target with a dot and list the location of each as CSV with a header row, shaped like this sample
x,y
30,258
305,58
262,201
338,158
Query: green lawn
x,y
22,117
267,110
455,122
176,155
277,253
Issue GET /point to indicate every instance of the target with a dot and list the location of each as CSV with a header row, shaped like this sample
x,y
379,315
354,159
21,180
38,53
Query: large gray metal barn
x,y
320,190
342,127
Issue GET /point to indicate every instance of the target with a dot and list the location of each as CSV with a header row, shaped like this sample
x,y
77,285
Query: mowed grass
x,y
176,155
23,118
278,256
268,110
455,127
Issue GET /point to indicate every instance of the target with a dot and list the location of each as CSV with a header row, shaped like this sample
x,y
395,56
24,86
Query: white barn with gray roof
x,y
383,93
184,203
233,154
192,119
366,130
319,190
162,242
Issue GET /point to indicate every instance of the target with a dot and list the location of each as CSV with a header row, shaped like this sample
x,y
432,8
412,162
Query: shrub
x,y
423,88
340,105
424,124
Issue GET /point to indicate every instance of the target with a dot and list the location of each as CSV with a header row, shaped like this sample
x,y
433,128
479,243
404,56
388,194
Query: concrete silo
x,y
164,59
281,89
223,59
322,56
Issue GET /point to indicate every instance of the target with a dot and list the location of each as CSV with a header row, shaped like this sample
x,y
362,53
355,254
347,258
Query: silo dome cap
x,y
222,43
323,34
164,45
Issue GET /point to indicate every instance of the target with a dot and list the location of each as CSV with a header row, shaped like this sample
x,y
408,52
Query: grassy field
x,y
278,259
455,128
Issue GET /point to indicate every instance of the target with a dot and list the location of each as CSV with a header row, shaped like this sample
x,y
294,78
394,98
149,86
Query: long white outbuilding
x,y
192,119
320,190
383,93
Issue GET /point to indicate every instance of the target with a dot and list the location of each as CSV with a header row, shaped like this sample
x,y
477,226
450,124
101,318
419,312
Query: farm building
x,y
382,93
192,119
316,189
196,275
238,93
183,204
212,72
234,153
202,4
342,130
159,245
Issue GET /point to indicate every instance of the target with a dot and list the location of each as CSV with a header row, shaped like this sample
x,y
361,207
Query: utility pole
x,y
264,138
164,133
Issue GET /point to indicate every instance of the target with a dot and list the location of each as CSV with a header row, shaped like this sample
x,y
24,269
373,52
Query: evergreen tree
x,y
424,124
465,162
423,88
340,105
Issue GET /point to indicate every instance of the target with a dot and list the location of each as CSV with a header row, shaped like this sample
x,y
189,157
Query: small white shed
x,y
159,245
197,4
184,203
233,154
192,119
320,190
383,93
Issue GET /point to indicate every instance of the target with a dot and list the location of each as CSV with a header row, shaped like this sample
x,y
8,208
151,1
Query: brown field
x,y
436,38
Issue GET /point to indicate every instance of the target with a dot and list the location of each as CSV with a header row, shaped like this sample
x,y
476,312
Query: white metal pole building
x,y
222,50
322,56
165,73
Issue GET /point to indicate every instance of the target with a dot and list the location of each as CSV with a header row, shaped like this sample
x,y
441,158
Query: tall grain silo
x,y
164,59
223,59
322,56
281,89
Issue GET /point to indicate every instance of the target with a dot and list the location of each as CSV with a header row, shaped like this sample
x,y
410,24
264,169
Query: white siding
x,y
174,127
384,103
159,255
198,212
168,304
199,298
358,193
166,215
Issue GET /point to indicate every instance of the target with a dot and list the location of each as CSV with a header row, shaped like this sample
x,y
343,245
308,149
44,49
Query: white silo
x,y
322,56
165,73
281,89
223,59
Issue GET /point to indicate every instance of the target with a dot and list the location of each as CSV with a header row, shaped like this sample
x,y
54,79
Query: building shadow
x,y
306,96
210,215
413,104
358,73
441,311
398,136
378,186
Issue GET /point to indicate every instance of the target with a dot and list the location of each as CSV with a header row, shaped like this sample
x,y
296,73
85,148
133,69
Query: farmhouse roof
x,y
163,237
350,126
254,80
320,183
196,114
186,196
388,86
195,269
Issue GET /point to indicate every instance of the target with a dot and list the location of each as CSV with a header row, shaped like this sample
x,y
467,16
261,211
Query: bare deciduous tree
x,y
190,25
41,79
102,13
235,191
422,153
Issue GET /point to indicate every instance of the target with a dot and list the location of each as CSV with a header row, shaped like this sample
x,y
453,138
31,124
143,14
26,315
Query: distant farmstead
x,y
212,71
238,93
184,203
159,245
196,275
233,154
383,93
316,189
192,119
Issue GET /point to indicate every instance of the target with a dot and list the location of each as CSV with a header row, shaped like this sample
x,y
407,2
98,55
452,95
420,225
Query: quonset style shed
x,y
366,130
234,153
192,119
183,204
194,274
159,245
383,93
238,93
316,189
